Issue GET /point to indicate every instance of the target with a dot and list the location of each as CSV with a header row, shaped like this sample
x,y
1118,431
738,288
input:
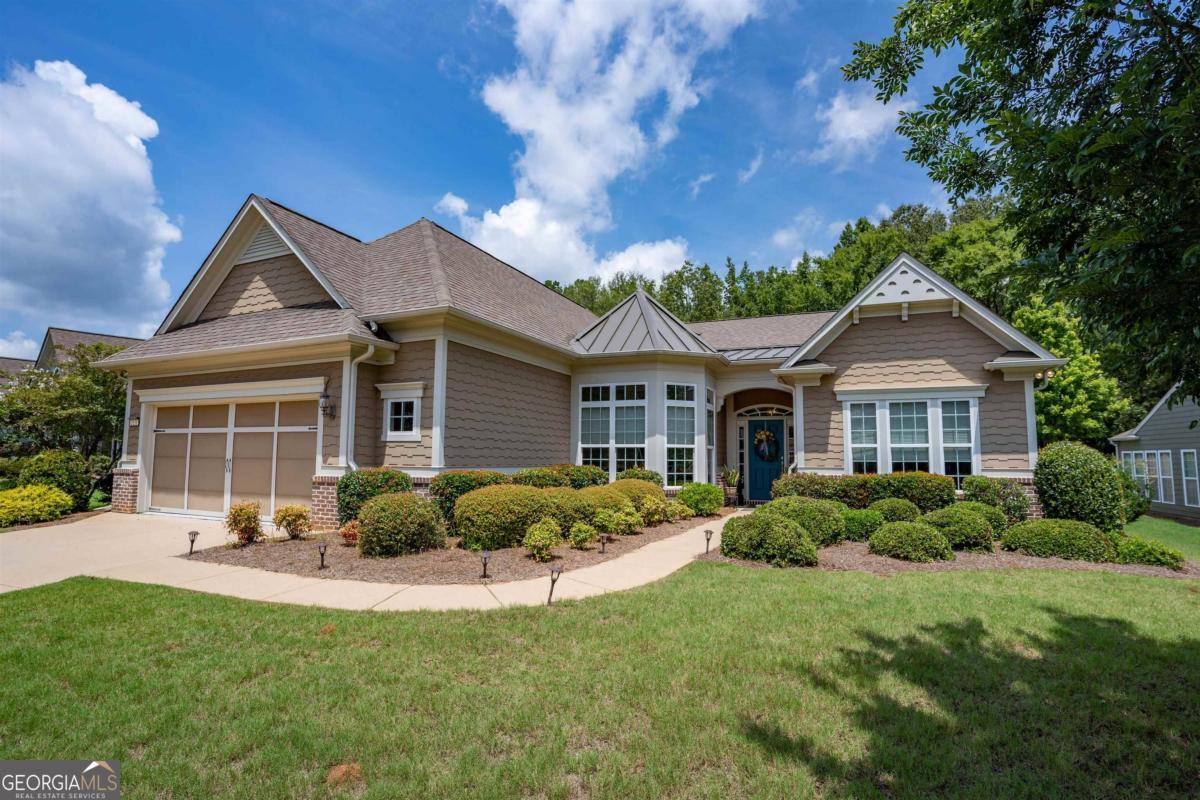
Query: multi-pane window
x,y
681,434
909,438
741,429
711,429
864,438
957,442
402,416
1190,466
401,411
1154,471
1166,478
612,426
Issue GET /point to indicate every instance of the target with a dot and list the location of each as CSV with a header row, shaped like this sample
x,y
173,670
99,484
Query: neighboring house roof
x,y
242,331
59,340
9,367
639,324
1132,435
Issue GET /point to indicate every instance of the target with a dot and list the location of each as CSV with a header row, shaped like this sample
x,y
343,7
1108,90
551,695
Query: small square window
x,y
402,420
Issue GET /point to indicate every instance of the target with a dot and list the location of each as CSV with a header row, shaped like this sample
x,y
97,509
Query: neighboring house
x,y
1162,454
298,352
9,367
58,341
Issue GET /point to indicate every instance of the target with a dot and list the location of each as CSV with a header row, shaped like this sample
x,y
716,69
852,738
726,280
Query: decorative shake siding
x,y
331,371
504,413
281,282
414,362
929,350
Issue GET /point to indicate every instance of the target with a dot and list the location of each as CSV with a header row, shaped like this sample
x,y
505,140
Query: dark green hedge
x,y
395,524
357,487
1060,538
822,519
928,492
62,469
447,487
1002,493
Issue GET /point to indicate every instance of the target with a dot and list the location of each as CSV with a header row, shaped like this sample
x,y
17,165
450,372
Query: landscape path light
x,y
555,573
192,535
707,539
485,556
321,546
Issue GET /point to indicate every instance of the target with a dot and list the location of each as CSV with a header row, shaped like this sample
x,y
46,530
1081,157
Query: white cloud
x,y
882,211
807,82
597,89
451,204
698,184
855,126
18,345
83,232
807,232
744,175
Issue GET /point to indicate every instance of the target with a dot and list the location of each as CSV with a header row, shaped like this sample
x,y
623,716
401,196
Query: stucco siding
x,y
281,282
414,363
331,371
1167,429
504,413
928,350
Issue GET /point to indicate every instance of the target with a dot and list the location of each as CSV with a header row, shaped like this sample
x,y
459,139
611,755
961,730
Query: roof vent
x,y
265,244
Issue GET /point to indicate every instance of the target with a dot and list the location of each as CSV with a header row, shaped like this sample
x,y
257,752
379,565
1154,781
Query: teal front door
x,y
765,457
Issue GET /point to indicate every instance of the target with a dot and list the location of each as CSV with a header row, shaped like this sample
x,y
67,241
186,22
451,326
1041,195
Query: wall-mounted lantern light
x,y
135,422
328,409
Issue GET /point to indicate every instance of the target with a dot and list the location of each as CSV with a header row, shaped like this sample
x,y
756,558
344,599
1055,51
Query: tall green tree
x,y
1087,113
1082,402
78,407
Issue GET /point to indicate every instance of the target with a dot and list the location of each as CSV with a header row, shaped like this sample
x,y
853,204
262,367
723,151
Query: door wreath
x,y
766,446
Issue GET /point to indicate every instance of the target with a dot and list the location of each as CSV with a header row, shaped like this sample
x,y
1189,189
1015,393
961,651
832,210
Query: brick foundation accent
x,y
125,490
324,498
1035,503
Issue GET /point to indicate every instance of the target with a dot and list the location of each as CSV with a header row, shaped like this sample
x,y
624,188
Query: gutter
x,y
370,351
338,338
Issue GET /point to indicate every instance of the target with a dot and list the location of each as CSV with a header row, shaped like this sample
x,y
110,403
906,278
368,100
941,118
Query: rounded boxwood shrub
x,y
1002,493
357,487
33,503
654,510
541,538
963,528
623,522
677,510
896,509
911,541
541,477
772,538
861,523
994,516
569,506
1076,482
1136,550
641,474
395,524
62,469
822,519
580,476
703,498
1060,538
495,517
446,488
607,497
582,535
639,492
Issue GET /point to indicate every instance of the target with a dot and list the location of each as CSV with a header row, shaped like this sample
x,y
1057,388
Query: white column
x,y
798,422
1031,422
346,409
440,360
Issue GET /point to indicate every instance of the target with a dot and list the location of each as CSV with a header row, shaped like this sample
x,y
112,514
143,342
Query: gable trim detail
x,y
969,309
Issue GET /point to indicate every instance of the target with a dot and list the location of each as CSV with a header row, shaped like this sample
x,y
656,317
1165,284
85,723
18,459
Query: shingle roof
x,y
276,326
9,367
67,338
749,333
422,266
638,324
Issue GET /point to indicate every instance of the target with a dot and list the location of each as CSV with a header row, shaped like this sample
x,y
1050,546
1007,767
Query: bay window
x,y
681,434
612,426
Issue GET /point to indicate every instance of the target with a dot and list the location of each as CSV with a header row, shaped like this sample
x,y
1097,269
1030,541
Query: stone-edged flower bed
x,y
452,564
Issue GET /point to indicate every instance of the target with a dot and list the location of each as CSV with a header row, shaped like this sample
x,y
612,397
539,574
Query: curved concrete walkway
x,y
143,548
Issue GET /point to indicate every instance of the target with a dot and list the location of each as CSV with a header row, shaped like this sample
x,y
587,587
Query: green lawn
x,y
720,681
1184,538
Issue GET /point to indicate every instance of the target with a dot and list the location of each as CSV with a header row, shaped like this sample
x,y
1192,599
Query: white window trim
x,y
401,392
849,435
1193,480
612,403
710,433
1166,478
883,432
697,412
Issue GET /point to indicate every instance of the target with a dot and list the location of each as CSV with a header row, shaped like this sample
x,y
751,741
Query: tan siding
x,y
414,362
504,413
281,282
331,371
928,350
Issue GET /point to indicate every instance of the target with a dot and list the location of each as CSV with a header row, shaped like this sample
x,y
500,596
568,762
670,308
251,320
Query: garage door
x,y
211,455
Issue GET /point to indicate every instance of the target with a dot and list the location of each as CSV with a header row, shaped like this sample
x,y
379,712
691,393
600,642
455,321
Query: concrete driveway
x,y
143,547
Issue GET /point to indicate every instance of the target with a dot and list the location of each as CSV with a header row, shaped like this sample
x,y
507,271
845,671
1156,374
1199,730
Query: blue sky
x,y
569,140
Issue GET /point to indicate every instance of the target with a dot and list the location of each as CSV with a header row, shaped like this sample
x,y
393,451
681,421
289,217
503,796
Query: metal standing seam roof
x,y
639,324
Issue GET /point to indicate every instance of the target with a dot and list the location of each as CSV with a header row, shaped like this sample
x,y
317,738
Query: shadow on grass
x,y
1093,709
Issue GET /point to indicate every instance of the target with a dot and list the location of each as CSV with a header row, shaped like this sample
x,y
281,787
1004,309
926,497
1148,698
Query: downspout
x,y
354,401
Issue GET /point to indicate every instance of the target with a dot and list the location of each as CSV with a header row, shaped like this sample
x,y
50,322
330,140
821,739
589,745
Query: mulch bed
x,y
450,565
854,556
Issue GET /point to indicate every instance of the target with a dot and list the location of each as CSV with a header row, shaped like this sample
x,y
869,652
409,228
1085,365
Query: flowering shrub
x,y
349,533
33,503
243,520
294,519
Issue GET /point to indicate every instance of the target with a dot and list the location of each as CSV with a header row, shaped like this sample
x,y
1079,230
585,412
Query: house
x,y
9,367
58,341
1162,452
298,352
